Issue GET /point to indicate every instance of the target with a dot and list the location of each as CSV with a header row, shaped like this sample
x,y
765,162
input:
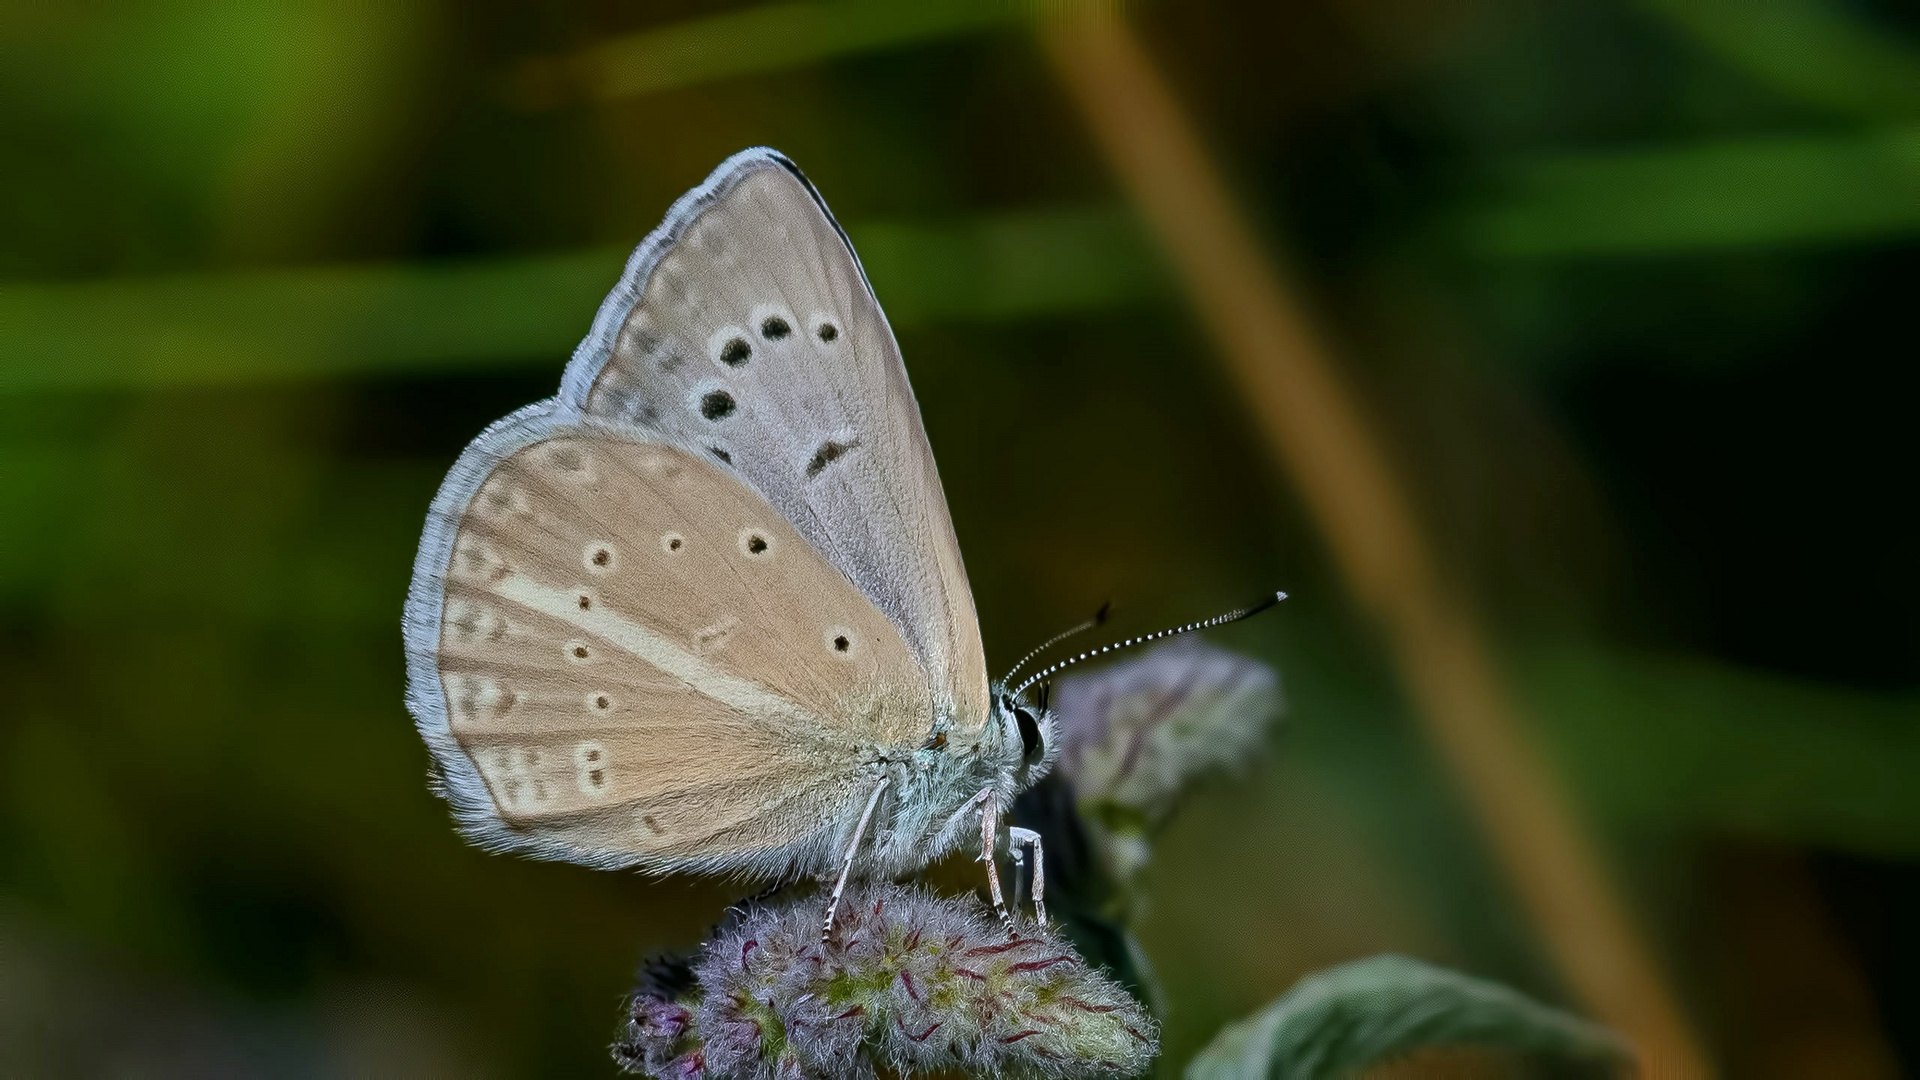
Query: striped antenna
x,y
1099,617
1218,620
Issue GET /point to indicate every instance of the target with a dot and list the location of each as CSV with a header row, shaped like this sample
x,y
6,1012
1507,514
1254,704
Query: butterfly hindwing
x,y
745,331
621,655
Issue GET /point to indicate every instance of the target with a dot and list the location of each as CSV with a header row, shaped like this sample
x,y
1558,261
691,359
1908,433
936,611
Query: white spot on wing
x,y
570,461
471,622
755,543
668,656
668,467
477,699
475,560
772,323
509,773
600,557
590,768
501,498
709,638
729,347
842,642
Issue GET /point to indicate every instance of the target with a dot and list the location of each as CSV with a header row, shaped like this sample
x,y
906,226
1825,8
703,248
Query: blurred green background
x,y
1627,284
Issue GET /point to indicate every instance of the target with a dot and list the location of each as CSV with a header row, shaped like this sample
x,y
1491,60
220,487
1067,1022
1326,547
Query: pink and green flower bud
x,y
907,983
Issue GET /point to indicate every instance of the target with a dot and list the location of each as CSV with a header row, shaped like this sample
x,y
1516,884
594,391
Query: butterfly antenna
x,y
1099,617
1218,620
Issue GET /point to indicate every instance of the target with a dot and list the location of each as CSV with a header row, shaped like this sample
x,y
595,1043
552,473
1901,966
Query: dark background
x,y
1625,285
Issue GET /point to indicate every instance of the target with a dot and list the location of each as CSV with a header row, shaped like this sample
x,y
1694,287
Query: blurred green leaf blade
x,y
772,37
1811,51
328,322
1341,1020
1720,195
1652,740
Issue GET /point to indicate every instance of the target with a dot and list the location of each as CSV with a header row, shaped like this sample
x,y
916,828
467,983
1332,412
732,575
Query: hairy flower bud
x,y
659,1038
908,982
1133,736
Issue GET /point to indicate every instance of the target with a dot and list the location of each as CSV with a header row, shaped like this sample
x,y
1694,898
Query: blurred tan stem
x,y
1320,439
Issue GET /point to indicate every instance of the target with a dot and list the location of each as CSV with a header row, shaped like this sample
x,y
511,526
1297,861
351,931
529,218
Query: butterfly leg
x,y
967,807
1018,838
989,835
853,846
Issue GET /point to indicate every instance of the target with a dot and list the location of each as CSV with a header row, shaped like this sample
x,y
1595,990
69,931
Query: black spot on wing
x,y
716,404
657,348
830,451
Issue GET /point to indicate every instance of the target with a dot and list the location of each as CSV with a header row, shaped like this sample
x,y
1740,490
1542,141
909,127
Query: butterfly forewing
x,y
644,663
746,333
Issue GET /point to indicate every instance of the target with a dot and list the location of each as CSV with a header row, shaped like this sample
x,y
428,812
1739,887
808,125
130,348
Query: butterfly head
x,y
1024,739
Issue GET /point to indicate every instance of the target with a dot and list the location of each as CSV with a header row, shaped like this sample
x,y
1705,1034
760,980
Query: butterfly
x,y
704,610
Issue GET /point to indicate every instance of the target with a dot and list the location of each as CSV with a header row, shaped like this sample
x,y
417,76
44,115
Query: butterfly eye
x,y
1030,740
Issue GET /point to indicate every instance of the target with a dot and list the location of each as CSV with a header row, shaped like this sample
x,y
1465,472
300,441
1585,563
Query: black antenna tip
x,y
1100,617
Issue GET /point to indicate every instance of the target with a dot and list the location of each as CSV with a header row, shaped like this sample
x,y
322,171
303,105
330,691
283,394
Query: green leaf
x,y
1338,1021
344,321
1821,53
771,37
1651,741
1721,195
